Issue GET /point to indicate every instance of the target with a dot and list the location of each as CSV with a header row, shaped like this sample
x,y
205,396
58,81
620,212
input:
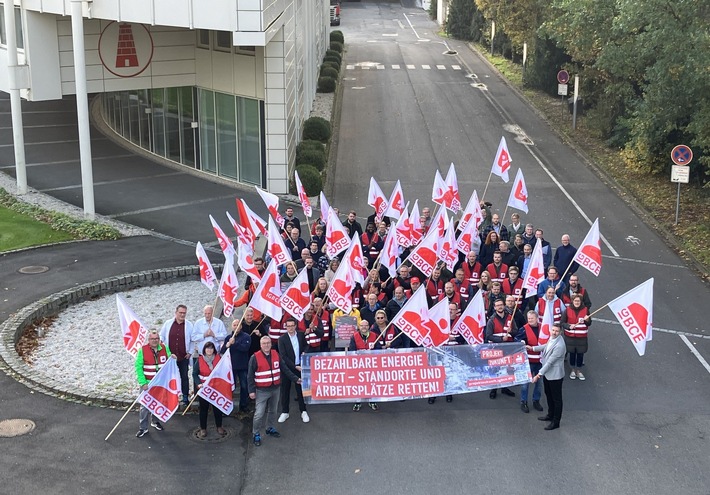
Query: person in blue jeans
x,y
530,334
239,343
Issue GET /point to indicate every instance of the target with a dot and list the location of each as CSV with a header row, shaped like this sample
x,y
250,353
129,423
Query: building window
x,y
18,28
223,41
246,50
203,39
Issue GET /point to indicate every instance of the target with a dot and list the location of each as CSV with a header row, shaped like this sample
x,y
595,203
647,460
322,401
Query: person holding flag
x,y
575,322
207,362
239,345
206,329
531,337
501,329
177,334
149,359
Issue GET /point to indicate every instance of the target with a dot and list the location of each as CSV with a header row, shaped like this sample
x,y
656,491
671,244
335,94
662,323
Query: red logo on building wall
x,y
125,49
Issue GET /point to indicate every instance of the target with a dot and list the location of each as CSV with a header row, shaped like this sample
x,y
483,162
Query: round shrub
x,y
328,71
326,84
309,144
337,35
336,46
333,53
311,179
332,60
332,64
316,128
311,157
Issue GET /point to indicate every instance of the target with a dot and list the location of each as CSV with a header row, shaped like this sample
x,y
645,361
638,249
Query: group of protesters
x,y
266,353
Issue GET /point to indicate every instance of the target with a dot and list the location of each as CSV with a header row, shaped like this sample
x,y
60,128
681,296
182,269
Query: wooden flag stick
x,y
486,189
190,403
122,418
598,310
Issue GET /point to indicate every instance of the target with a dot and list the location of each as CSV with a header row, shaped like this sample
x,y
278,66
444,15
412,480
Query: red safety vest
x,y
390,333
472,274
267,374
557,309
361,344
532,340
150,366
325,321
356,296
516,289
312,339
498,273
576,317
463,291
566,295
277,329
499,327
455,299
435,288
205,370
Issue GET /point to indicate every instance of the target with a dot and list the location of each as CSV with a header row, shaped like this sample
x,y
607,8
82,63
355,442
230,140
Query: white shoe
x,y
581,376
304,417
572,375
283,417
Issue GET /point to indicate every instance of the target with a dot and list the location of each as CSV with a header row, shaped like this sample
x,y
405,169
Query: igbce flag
x,y
245,261
341,287
377,199
395,206
536,269
390,253
228,287
133,330
217,388
207,273
412,319
589,254
267,297
403,229
448,252
472,323
440,193
251,220
297,298
501,163
468,239
472,213
303,197
272,204
225,242
519,194
426,254
354,257
162,396
453,184
245,237
324,207
415,222
276,247
634,310
337,239
438,323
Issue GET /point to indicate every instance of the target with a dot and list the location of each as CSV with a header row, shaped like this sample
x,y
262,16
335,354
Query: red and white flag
x,y
472,323
447,247
341,287
354,257
245,261
453,184
548,319
395,205
245,237
390,253
403,229
415,221
377,199
426,254
162,397
440,193
272,204
275,245
501,163
440,222
472,212
225,243
324,207
536,269
228,288
303,197
337,239
438,323
267,297
589,253
634,310
468,239
207,273
519,194
412,319
134,331
217,388
251,220
297,298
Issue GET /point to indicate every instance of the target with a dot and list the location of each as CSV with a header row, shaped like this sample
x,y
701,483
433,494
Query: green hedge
x,y
337,35
329,71
316,128
333,53
332,60
311,157
326,85
336,46
310,178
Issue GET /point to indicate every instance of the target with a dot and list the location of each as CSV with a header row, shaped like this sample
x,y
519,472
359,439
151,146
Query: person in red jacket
x,y
576,322
363,340
207,361
149,359
497,269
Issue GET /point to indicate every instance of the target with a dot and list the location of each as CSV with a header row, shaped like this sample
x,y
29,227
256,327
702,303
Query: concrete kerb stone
x,y
11,330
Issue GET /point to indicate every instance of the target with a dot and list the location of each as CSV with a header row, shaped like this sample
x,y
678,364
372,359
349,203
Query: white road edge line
x,y
662,330
574,203
695,352
410,25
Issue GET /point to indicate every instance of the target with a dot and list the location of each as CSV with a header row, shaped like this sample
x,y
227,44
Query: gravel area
x,y
323,105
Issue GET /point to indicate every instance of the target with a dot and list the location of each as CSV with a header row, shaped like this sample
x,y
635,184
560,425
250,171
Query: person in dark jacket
x,y
292,345
239,344
564,256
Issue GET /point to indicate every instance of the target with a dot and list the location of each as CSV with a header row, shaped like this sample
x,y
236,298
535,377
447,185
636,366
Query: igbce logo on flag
x,y
426,265
587,256
137,337
295,300
215,396
161,402
634,319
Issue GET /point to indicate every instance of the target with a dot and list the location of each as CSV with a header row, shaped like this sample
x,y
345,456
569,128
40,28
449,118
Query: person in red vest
x,y
576,322
324,316
576,288
264,378
389,335
497,269
435,285
149,359
363,340
206,362
550,302
513,286
531,336
471,268
500,328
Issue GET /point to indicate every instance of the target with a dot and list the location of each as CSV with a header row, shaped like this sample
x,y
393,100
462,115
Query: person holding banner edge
x,y
362,340
552,372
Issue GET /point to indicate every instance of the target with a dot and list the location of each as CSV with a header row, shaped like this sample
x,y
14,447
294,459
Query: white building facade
x,y
222,86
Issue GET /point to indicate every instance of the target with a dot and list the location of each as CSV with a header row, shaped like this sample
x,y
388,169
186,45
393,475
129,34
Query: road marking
x,y
411,67
62,162
426,67
411,26
365,68
380,67
39,126
64,141
441,67
456,67
401,26
167,207
656,263
633,240
108,182
695,352
395,67
390,34
349,67
662,330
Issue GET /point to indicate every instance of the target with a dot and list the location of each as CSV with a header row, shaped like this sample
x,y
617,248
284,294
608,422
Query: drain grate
x,y
16,427
212,435
33,269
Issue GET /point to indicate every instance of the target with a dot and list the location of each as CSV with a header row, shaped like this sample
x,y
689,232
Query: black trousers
x,y
553,392
204,411
183,367
286,394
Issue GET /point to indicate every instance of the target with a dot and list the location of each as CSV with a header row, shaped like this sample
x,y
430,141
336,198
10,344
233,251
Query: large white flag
x,y
447,247
302,196
297,298
589,253
207,273
416,223
275,245
249,219
225,243
472,212
133,330
501,163
245,261
324,207
162,397
395,205
403,229
355,258
377,199
468,239
453,184
245,237
536,270
519,193
634,310
272,204
472,323
426,254
267,297
228,287
217,388
337,239
390,253
341,287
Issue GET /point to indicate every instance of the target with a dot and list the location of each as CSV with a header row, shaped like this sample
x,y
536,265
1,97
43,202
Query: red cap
x,y
414,280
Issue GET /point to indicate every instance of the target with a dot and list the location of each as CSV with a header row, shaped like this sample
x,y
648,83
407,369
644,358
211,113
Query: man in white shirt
x,y
206,329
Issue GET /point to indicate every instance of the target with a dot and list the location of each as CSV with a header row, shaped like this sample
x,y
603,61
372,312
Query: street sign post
x,y
681,155
563,77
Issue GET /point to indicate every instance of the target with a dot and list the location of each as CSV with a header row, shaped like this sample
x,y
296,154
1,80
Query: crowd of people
x,y
266,353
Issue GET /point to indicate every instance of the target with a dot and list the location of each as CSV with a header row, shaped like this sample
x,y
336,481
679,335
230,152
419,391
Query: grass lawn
x,y
19,231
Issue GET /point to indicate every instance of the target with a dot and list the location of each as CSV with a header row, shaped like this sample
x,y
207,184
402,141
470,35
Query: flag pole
x,y
122,418
504,213
565,273
189,404
598,310
486,189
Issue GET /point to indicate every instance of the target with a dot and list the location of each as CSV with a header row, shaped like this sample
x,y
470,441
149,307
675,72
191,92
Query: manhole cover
x,y
33,269
15,427
212,435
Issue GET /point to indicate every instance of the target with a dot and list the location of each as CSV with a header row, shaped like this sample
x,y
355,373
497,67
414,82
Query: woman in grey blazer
x,y
552,372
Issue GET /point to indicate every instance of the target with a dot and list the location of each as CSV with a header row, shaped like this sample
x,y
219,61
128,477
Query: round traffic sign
x,y
681,155
563,77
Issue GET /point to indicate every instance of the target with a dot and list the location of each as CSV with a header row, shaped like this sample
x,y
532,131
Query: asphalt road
x,y
637,425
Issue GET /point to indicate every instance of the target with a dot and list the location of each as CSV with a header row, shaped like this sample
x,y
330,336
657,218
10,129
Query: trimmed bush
x,y
333,53
311,157
326,85
337,46
332,60
329,71
309,144
332,65
337,35
310,178
316,128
